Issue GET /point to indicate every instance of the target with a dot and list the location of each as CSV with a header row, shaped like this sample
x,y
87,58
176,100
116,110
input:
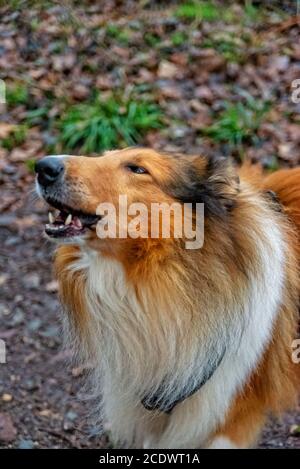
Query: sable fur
x,y
154,317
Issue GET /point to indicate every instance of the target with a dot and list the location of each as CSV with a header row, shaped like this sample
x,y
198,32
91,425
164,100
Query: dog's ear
x,y
212,181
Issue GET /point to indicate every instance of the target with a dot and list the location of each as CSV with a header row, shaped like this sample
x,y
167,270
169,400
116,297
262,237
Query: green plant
x,y
232,48
198,10
238,123
251,12
178,38
16,94
103,124
120,34
15,138
35,116
30,165
151,39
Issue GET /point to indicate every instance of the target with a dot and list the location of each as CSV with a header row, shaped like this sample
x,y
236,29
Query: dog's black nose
x,y
49,169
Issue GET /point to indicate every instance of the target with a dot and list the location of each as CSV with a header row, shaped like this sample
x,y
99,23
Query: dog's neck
x,y
147,318
150,330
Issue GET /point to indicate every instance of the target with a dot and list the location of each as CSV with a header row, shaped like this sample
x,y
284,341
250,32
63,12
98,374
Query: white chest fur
x,y
120,333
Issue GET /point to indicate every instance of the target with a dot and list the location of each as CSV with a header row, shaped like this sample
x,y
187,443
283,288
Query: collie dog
x,y
191,348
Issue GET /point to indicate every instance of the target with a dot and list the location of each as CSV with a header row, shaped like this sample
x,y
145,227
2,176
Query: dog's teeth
x,y
68,219
78,223
51,217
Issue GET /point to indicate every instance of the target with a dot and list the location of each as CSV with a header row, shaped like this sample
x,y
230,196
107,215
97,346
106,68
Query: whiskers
x,y
33,195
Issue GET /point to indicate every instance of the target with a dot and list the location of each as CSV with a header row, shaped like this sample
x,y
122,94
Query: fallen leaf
x,y
167,70
121,52
171,92
104,82
208,60
63,62
293,131
286,151
179,59
8,431
205,93
45,413
6,129
80,92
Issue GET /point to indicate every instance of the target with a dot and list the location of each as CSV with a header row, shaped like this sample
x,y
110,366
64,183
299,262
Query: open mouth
x,y
65,222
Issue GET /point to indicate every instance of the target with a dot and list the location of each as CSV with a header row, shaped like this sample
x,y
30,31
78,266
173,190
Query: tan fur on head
x,y
155,317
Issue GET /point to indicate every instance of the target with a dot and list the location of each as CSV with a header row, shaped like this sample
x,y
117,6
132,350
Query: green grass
x,y
179,38
252,13
238,123
151,39
198,10
121,35
232,48
104,124
30,165
16,94
36,116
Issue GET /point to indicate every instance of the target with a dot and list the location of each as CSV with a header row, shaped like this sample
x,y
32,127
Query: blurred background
x,y
81,77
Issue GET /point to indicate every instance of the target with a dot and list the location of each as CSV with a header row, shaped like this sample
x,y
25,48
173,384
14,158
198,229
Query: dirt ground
x,y
40,390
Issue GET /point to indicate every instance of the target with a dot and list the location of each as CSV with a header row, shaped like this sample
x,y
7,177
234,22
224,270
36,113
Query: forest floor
x,y
210,80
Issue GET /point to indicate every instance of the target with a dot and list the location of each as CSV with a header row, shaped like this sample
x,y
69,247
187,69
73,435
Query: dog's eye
x,y
136,169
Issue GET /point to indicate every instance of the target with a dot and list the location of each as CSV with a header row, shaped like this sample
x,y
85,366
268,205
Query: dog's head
x,y
77,186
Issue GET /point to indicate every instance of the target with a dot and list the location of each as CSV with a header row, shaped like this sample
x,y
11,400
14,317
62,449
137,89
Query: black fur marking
x,y
195,191
276,203
156,402
210,188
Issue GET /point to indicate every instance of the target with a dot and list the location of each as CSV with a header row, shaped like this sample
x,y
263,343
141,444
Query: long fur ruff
x,y
154,318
